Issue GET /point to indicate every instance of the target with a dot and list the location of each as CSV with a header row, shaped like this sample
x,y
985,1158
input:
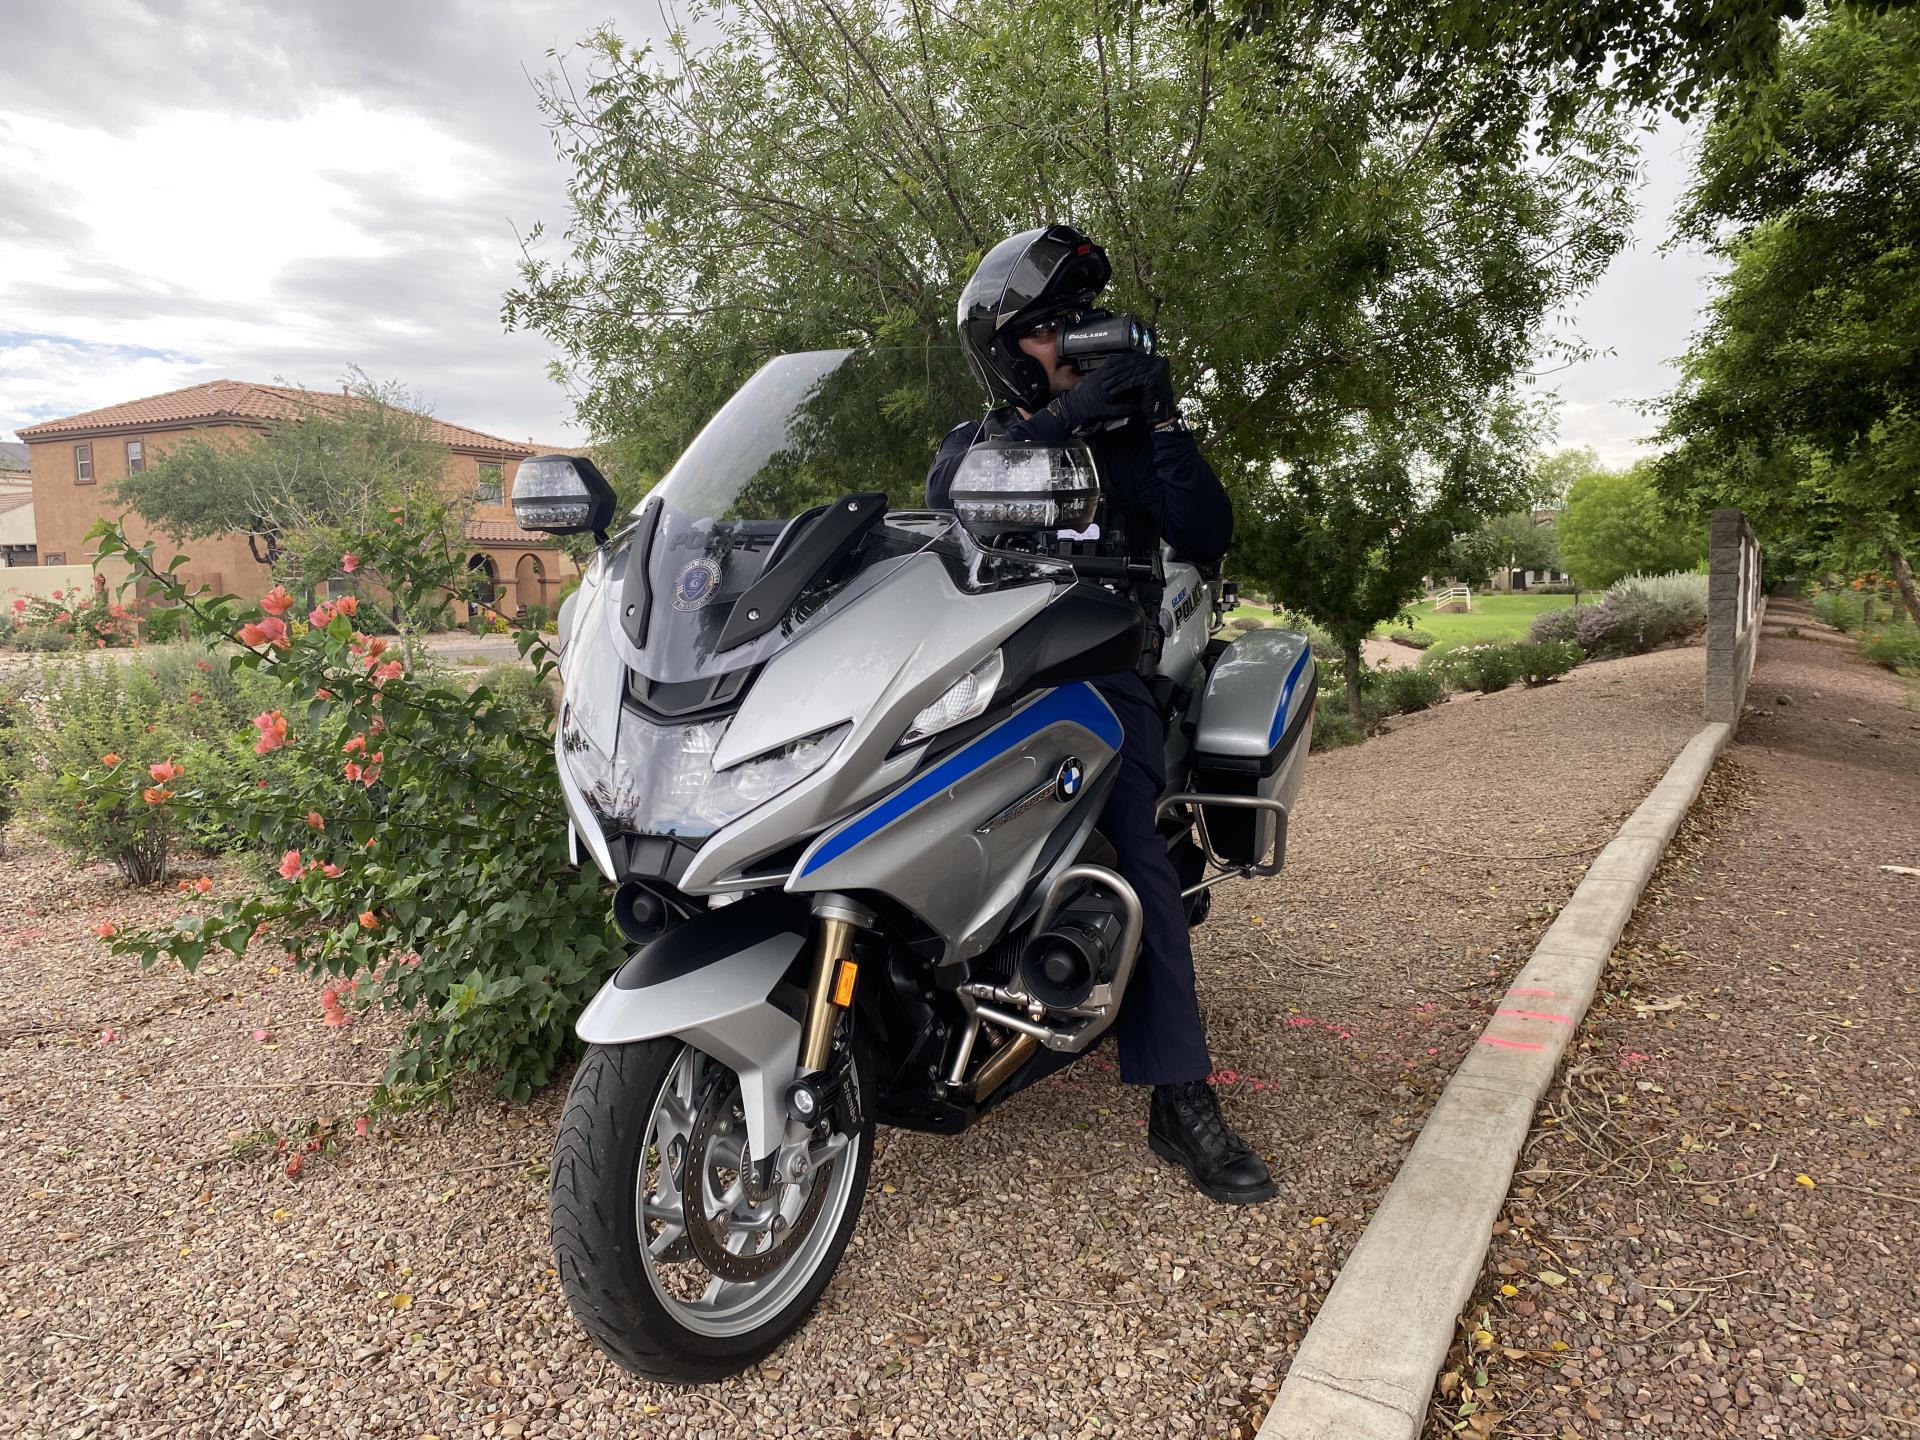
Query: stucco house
x,y
16,507
74,462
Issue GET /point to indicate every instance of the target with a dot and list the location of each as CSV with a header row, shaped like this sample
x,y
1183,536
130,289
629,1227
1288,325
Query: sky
x,y
194,190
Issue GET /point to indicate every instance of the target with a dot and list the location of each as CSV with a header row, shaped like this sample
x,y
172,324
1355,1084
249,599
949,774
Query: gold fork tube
x,y
816,1039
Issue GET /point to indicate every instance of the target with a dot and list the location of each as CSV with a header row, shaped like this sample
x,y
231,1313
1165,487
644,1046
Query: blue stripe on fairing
x,y
1286,698
1078,703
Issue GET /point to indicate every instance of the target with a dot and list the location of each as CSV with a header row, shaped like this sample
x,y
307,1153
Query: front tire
x,y
624,1166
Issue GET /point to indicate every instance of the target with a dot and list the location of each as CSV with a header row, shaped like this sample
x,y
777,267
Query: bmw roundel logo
x,y
696,584
1068,779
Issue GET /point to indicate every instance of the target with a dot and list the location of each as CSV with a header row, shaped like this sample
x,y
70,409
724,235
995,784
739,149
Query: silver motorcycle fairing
x,y
959,844
709,981
890,653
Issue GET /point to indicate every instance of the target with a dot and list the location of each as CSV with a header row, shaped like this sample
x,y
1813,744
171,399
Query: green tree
x,y
1510,541
1616,525
1797,402
1327,268
1555,474
337,466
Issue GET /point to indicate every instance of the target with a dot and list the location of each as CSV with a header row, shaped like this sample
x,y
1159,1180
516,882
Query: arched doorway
x,y
529,582
483,581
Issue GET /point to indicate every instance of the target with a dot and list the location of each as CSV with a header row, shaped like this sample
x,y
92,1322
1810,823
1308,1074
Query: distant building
x,y
74,463
17,545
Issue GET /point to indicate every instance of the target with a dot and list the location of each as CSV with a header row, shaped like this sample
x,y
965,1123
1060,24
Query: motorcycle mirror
x,y
562,495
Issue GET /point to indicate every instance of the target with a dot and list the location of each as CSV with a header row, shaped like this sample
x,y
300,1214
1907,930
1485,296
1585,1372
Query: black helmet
x,y
1024,279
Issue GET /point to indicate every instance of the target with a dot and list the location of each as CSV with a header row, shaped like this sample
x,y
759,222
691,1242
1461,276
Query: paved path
x,y
1727,1172
1041,1275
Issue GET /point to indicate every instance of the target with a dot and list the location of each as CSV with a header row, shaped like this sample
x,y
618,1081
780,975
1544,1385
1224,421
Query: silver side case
x,y
1254,730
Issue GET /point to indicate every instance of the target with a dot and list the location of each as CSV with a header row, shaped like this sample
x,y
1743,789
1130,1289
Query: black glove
x,y
1126,386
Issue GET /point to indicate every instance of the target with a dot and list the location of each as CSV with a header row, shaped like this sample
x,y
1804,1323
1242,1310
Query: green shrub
x,y
1334,729
1895,646
1485,668
15,724
163,627
1404,690
1842,609
101,778
43,640
1412,637
528,695
1542,662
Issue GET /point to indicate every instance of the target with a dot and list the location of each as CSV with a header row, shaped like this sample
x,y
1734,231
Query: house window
x,y
136,457
487,489
56,557
83,464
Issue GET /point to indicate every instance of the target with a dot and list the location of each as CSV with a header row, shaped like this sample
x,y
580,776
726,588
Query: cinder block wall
x,y
1734,608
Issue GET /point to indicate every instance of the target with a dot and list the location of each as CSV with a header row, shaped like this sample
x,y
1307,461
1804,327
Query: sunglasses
x,y
1043,329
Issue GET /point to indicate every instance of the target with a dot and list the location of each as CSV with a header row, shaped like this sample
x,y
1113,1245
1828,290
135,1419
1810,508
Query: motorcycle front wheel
x,y
674,1262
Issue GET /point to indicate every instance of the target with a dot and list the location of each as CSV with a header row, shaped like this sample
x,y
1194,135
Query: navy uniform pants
x,y
1160,1037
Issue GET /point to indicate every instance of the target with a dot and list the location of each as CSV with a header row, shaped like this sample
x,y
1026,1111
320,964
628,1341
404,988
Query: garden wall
x,y
1734,608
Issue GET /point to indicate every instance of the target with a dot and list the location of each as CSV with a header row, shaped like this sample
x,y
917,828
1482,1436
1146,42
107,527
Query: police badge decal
x,y
696,584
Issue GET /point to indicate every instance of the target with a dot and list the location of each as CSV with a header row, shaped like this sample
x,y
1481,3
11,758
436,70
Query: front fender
x,y
709,981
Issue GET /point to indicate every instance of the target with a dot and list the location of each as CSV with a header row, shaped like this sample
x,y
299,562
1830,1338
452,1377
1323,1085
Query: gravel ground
x,y
1716,1224
1042,1275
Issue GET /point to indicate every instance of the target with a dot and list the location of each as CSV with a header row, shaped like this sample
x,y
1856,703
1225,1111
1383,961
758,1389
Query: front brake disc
x,y
708,1233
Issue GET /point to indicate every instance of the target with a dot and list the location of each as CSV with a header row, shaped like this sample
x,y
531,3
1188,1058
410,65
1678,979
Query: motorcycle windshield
x,y
804,431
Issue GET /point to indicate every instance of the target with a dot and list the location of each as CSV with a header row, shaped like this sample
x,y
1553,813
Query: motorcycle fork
x,y
835,973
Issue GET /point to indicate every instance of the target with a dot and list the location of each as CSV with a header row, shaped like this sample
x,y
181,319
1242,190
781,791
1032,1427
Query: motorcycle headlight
x,y
969,696
661,780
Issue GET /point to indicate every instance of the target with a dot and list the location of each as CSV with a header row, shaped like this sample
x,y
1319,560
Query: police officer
x,y
1156,487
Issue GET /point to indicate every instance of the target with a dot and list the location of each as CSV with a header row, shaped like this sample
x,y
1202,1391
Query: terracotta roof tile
x,y
241,400
504,532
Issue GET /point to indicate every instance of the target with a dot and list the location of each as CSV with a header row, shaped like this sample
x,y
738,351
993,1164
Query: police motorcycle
x,y
842,761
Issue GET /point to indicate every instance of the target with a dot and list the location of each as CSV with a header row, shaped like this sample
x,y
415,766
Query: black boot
x,y
1185,1126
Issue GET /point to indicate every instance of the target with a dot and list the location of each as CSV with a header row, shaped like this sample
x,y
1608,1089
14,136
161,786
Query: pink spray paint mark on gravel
x,y
1510,1044
1536,1015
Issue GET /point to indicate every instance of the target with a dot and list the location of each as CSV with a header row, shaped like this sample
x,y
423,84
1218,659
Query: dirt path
x,y
1042,1275
1726,1178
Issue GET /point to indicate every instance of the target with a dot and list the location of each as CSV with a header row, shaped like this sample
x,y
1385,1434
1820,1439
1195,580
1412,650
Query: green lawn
x,y
1493,618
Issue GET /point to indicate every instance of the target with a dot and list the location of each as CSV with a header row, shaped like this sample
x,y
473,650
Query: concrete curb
x,y
1367,1366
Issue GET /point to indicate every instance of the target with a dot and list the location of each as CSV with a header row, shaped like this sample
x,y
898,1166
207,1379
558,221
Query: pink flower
x,y
165,770
203,885
319,616
367,921
261,1036
347,605
323,694
276,601
65,616
293,1167
290,866
109,1035
154,795
360,1127
272,726
315,821
351,770
357,743
109,759
349,562
18,606
270,631
336,1015
331,871
106,930
58,594
392,670
201,665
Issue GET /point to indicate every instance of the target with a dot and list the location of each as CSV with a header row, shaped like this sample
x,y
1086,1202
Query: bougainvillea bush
x,y
69,617
410,836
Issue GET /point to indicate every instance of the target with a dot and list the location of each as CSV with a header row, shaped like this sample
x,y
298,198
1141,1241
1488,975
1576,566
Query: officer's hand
x,y
1118,390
